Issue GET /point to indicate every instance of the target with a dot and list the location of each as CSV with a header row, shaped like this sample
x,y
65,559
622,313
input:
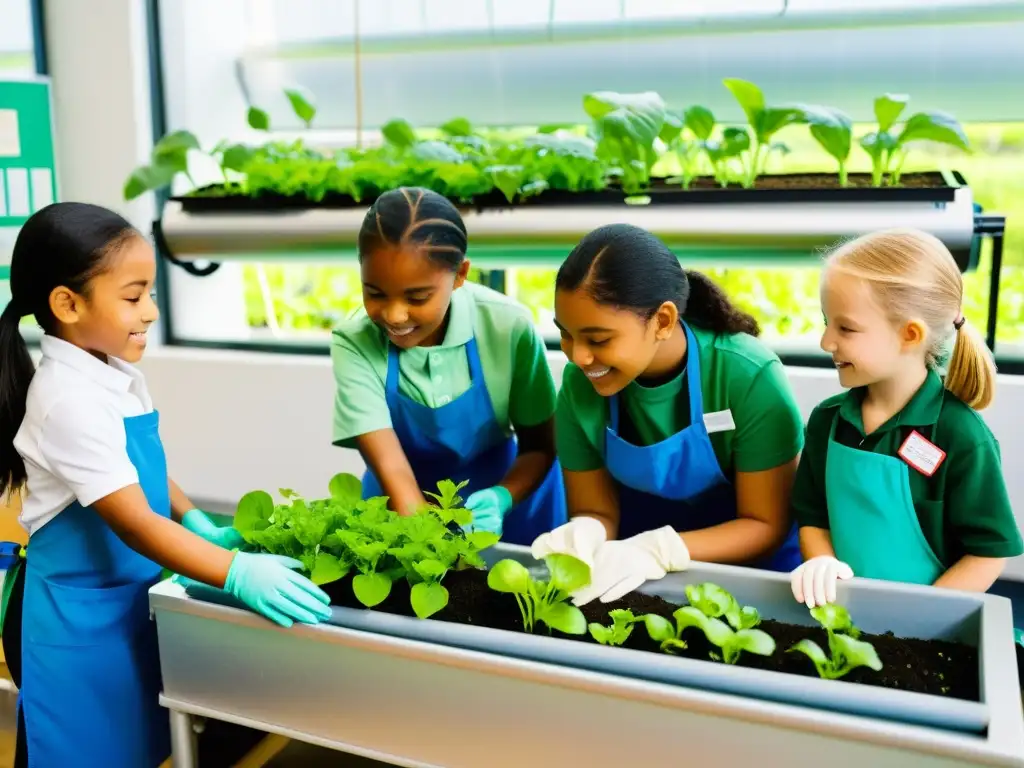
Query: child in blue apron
x,y
676,427
80,437
439,378
901,479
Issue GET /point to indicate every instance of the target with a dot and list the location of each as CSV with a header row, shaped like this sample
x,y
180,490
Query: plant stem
x,y
843,179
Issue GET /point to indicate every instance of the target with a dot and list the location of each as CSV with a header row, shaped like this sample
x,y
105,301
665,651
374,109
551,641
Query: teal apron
x,y
871,515
90,670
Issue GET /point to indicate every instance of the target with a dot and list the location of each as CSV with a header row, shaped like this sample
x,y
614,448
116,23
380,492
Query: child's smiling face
x,y
866,346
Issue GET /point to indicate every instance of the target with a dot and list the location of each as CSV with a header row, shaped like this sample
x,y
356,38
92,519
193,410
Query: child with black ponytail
x,y
79,437
676,428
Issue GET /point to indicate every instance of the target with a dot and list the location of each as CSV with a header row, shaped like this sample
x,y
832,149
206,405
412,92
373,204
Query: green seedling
x,y
715,602
303,104
888,149
448,507
619,631
544,601
764,123
833,130
731,642
847,654
625,127
835,619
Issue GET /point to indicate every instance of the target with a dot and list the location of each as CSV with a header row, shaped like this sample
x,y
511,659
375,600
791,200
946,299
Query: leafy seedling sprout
x,y
619,631
846,652
544,601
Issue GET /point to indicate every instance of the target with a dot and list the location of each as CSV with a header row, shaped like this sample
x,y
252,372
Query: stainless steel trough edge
x,y
803,226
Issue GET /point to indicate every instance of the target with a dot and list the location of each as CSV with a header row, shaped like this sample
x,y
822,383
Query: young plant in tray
x,y
765,121
888,149
544,601
709,602
846,652
619,631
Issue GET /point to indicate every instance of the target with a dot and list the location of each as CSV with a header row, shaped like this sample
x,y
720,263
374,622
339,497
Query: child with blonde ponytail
x,y
900,478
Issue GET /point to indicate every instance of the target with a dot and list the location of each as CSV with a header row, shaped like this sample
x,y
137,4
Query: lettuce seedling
x,y
833,130
764,122
448,507
625,126
888,150
620,629
715,602
731,642
835,619
846,655
544,601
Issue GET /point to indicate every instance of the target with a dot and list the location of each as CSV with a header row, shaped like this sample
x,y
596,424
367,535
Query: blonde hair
x,y
914,276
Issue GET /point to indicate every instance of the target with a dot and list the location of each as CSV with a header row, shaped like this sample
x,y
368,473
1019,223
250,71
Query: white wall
x,y
234,422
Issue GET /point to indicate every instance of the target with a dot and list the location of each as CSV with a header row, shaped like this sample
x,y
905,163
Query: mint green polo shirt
x,y
963,508
512,355
738,374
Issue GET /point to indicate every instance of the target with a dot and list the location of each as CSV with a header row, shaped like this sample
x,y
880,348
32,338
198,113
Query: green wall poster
x,y
28,178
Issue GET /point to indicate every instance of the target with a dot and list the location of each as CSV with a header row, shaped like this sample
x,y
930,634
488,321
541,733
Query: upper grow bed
x,y
606,162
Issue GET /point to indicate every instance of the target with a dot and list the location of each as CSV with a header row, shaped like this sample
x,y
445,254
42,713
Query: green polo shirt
x,y
512,355
738,374
963,508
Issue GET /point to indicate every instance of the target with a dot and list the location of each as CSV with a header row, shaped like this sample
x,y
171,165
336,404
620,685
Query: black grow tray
x,y
933,186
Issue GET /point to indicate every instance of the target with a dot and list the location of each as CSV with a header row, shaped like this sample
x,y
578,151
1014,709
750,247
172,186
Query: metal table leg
x,y
183,741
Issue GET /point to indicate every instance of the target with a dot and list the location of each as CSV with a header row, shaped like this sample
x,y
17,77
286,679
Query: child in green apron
x,y
900,478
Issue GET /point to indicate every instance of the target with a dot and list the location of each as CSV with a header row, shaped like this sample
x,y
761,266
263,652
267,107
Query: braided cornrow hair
x,y
413,217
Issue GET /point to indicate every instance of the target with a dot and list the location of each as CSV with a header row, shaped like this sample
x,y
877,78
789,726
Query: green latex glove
x,y
489,508
200,524
269,585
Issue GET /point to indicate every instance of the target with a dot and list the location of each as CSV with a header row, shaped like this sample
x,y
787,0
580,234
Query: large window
x,y
526,62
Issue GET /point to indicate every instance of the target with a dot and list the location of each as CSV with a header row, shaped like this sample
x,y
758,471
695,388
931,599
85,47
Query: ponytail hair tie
x,y
959,322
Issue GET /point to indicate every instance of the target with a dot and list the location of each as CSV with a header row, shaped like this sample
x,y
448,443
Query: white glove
x,y
580,537
814,582
621,566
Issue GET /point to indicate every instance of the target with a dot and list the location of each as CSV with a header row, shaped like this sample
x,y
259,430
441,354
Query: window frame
x,y
158,108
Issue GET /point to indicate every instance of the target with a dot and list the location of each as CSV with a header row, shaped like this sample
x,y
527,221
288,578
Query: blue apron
x,y
90,667
678,482
463,441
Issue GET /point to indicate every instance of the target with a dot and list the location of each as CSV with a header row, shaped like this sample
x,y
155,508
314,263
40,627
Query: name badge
x,y
922,454
719,421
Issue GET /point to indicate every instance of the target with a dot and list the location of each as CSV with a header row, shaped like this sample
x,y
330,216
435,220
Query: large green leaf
x,y
749,96
428,599
327,568
565,618
146,179
371,589
639,116
700,121
302,103
934,126
399,133
888,108
258,119
236,157
509,576
346,488
568,573
253,508
831,128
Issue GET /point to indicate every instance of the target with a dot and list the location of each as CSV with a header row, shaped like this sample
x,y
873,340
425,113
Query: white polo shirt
x,y
73,438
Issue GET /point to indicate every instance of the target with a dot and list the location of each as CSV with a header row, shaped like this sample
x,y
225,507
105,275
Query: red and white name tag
x,y
922,454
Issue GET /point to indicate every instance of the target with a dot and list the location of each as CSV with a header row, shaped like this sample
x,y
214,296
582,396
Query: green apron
x,y
871,514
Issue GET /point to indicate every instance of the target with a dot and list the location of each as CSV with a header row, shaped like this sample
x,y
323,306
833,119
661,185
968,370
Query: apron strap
x,y
613,413
391,381
693,379
476,368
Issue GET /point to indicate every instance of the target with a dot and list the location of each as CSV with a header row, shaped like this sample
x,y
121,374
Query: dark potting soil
x,y
935,667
